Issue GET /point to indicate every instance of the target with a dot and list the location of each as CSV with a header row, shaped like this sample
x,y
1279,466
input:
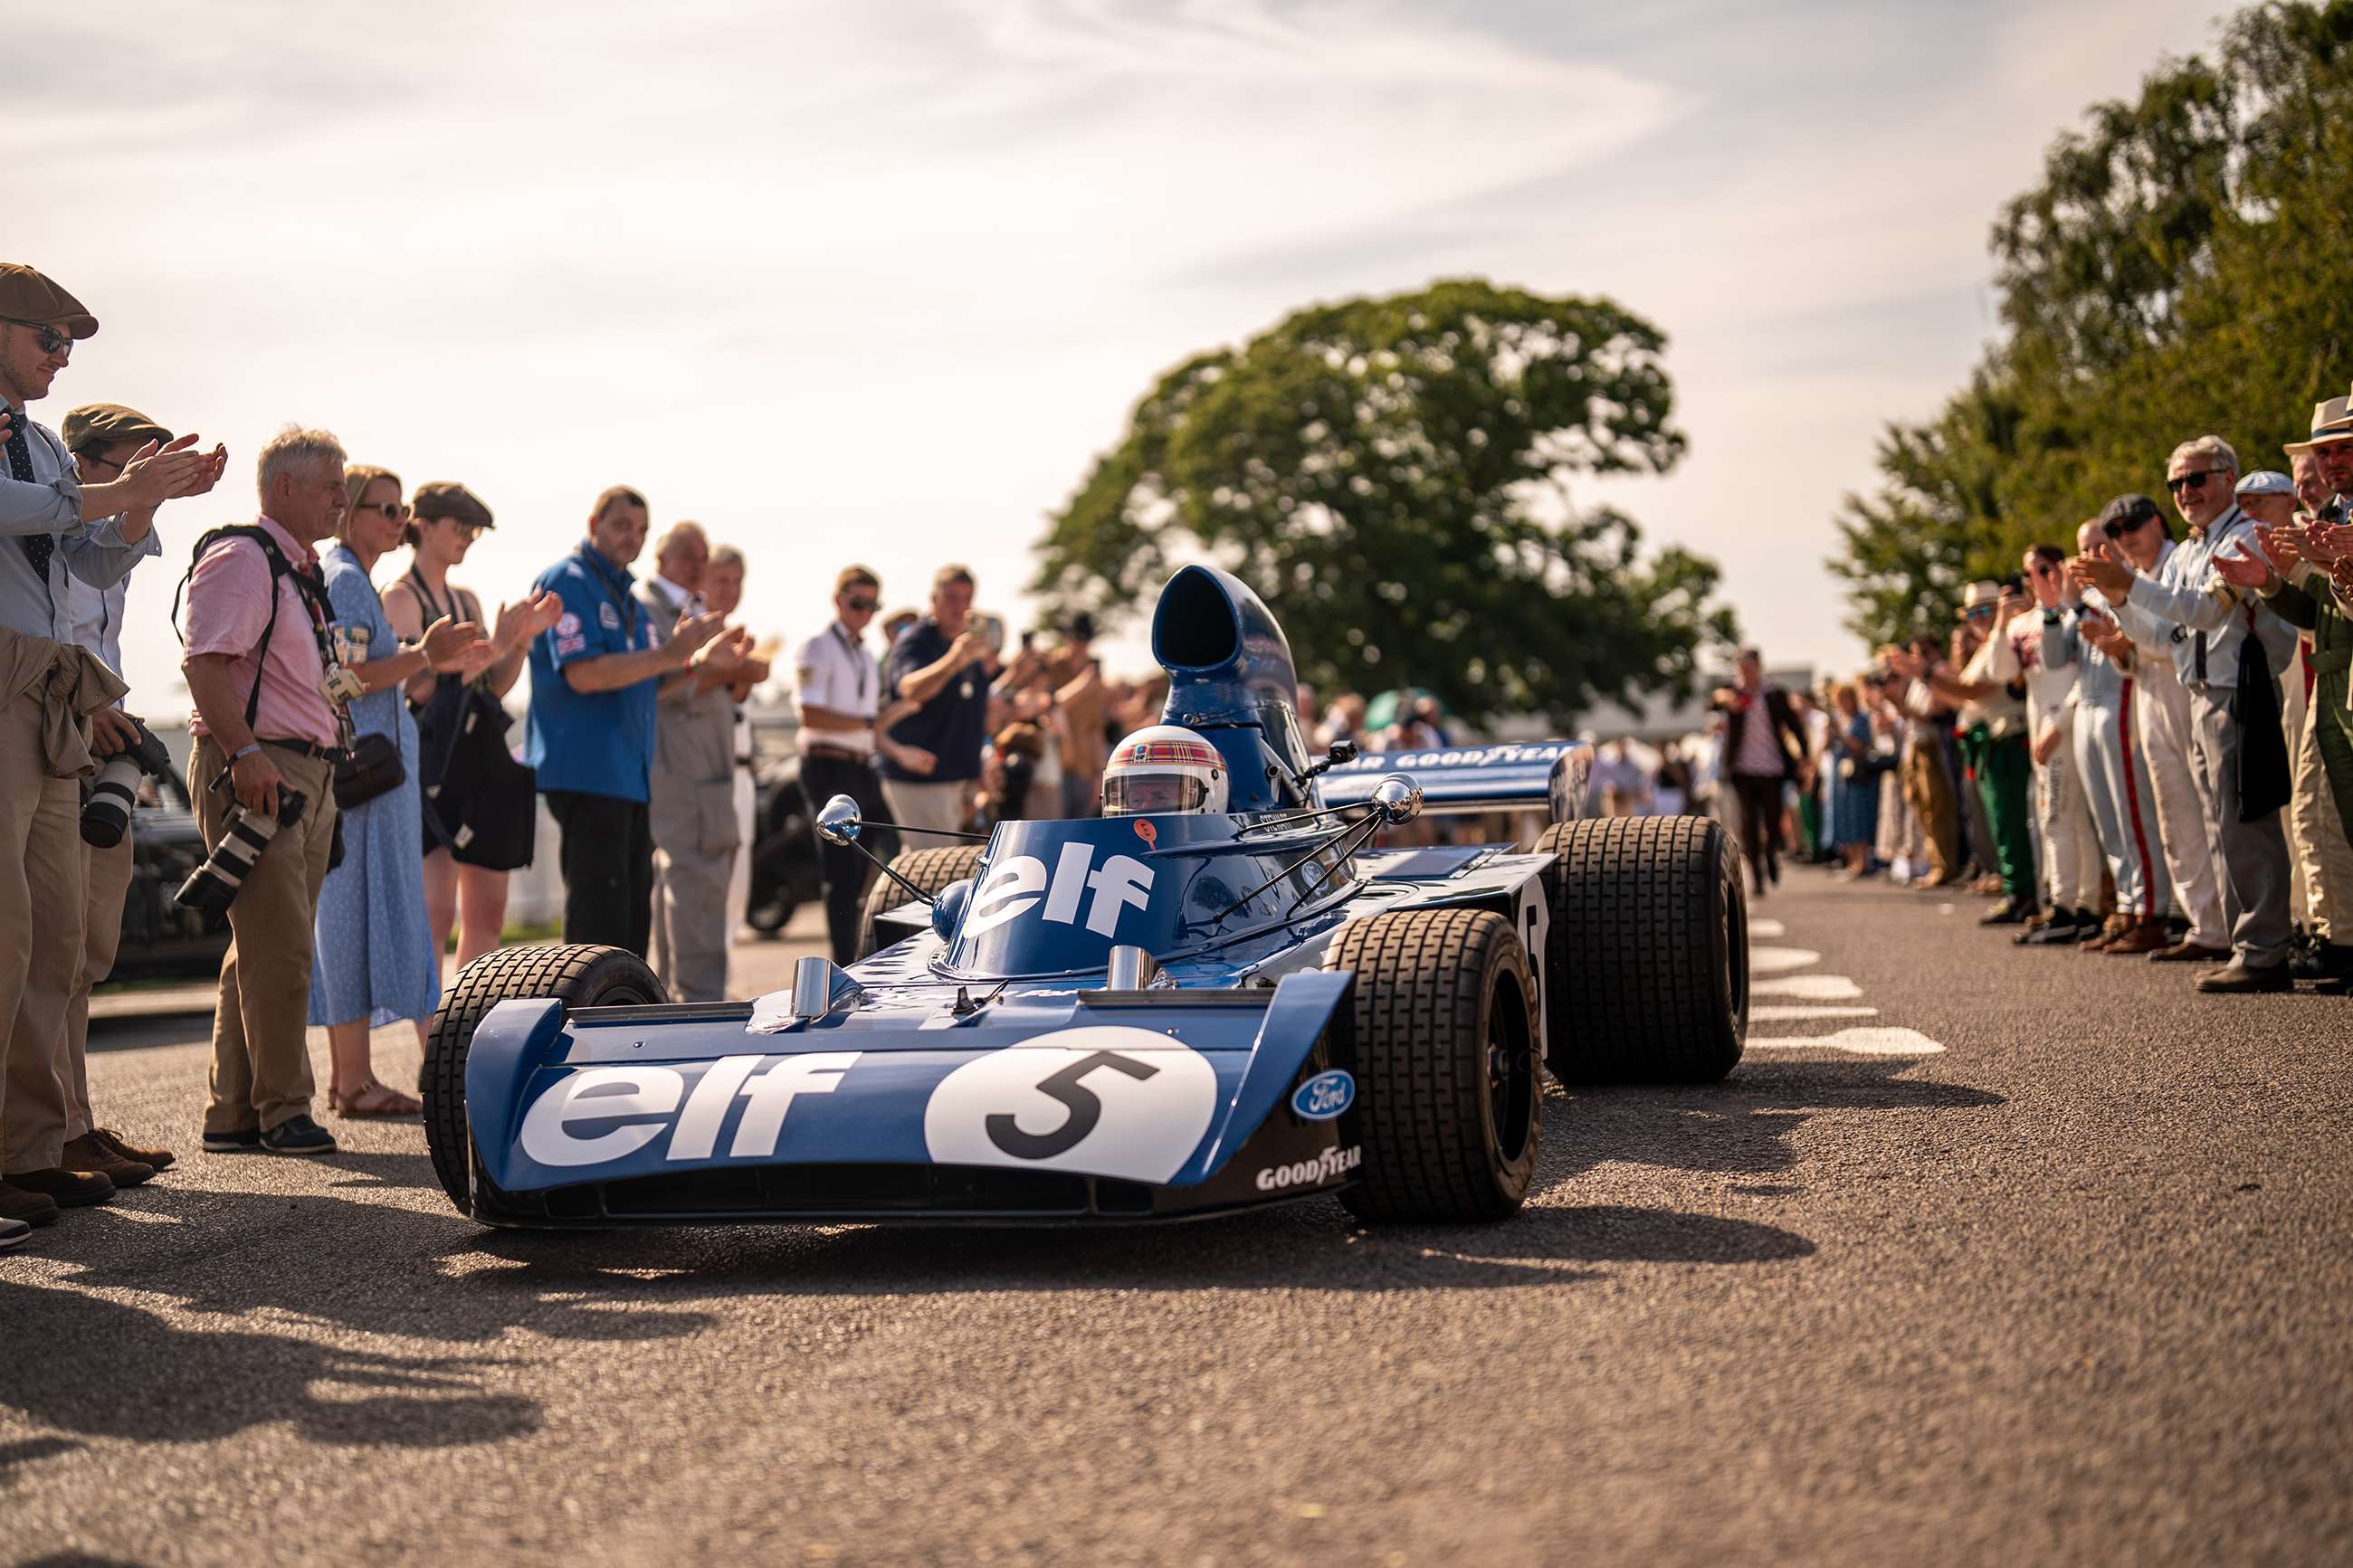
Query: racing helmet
x,y
1164,768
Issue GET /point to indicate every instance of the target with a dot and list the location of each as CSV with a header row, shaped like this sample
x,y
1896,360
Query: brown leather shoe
x,y
67,1189
2111,929
112,1142
87,1154
2144,935
32,1208
2189,953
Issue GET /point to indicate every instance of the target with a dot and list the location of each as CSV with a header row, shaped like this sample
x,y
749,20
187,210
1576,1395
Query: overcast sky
x,y
874,281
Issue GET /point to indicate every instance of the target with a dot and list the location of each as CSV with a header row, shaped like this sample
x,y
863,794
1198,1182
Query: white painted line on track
x,y
1774,959
1766,927
1881,1040
1807,987
1772,1015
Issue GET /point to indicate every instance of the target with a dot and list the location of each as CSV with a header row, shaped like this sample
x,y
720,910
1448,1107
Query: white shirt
x,y
836,673
685,601
1760,743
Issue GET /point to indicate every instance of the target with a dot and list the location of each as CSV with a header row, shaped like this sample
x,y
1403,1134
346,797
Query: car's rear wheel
x,y
1442,1040
575,974
932,870
1647,958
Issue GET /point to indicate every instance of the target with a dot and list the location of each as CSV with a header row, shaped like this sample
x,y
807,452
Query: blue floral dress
x,y
373,956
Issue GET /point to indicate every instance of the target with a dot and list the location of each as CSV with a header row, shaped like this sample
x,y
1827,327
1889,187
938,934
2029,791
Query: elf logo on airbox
x,y
632,1106
1020,885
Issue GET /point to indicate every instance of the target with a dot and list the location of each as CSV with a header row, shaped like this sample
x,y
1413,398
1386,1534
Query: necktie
x,y
39,547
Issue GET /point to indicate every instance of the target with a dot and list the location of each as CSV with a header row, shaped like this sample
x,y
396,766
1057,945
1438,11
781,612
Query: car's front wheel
x,y
576,975
1442,1038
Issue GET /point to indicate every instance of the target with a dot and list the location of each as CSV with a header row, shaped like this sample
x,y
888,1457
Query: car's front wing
x,y
1064,1106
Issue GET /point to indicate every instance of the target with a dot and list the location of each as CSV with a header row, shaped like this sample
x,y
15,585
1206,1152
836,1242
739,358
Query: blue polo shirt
x,y
591,742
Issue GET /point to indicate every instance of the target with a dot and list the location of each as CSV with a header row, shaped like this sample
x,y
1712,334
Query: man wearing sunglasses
x,y
840,688
58,529
2227,650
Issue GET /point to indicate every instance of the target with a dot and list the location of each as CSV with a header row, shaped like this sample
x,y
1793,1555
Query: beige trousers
x,y
41,902
261,1051
2323,855
2161,719
943,806
106,876
692,922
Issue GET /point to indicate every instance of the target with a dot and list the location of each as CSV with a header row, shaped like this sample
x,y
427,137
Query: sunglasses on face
x,y
52,341
2196,481
2123,526
393,510
857,604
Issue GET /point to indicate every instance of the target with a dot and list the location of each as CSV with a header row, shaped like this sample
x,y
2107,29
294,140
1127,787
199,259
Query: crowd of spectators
x,y
351,771
2140,744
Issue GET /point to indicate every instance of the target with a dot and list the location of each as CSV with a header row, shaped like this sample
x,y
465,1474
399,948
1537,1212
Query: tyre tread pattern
x,y
1642,911
934,871
575,973
1419,1025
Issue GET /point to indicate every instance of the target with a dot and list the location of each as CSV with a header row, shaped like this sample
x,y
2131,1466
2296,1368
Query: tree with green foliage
x,y
1393,476
2185,266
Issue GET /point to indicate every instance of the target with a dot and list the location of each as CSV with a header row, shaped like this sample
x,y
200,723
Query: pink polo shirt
x,y
228,606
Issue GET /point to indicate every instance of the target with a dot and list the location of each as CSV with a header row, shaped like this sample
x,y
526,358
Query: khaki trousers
x,y
41,902
693,922
261,1052
1929,792
106,876
942,806
2319,837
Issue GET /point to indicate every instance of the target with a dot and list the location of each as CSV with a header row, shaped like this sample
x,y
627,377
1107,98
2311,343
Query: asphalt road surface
x,y
1981,1254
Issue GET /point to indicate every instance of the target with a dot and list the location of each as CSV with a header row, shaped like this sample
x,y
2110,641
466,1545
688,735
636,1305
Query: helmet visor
x,y
1144,795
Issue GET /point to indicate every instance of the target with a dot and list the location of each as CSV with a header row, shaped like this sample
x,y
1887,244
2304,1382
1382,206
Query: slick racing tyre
x,y
930,870
576,975
1441,1039
1647,960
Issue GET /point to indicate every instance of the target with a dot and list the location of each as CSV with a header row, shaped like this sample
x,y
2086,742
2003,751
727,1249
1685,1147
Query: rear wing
x,y
1542,774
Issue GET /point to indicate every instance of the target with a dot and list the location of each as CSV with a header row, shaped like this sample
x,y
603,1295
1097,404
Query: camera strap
x,y
310,586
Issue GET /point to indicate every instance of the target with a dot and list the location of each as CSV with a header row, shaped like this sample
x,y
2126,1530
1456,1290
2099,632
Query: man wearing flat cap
x,y
58,527
103,438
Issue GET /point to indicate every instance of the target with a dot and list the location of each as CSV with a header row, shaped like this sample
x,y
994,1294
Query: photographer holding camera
x,y
260,669
103,438
59,529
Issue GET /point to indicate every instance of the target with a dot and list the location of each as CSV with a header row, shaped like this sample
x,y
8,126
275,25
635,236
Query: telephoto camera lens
x,y
212,886
107,813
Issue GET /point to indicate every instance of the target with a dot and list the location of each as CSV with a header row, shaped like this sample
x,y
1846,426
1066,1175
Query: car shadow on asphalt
x,y
1741,1126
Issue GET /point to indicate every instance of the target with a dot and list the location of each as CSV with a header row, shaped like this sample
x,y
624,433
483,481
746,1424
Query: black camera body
x,y
212,886
106,815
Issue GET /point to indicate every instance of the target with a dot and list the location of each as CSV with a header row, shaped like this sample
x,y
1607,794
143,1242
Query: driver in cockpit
x,y
1164,768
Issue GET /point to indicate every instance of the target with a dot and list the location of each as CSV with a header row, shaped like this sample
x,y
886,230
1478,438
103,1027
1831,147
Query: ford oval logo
x,y
1324,1096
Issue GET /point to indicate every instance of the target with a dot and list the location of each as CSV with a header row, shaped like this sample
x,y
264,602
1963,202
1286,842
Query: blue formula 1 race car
x,y
1219,995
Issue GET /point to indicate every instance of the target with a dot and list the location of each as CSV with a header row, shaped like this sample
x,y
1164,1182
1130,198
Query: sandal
x,y
373,1099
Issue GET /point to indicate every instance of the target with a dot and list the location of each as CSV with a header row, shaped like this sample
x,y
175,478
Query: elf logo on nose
x,y
1021,884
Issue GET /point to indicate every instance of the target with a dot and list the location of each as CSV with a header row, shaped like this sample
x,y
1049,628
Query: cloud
x,y
879,281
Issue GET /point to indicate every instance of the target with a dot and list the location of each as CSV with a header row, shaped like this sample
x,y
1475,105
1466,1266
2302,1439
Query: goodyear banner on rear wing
x,y
1505,776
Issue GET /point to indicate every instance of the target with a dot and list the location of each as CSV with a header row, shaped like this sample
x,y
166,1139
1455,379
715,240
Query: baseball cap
x,y
96,425
2266,482
26,296
447,498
